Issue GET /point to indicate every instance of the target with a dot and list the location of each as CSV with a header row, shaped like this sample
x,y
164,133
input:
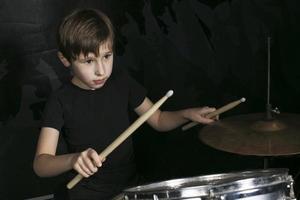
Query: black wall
x,y
208,52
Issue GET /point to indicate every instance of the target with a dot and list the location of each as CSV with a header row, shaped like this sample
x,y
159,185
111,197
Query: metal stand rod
x,y
266,163
269,106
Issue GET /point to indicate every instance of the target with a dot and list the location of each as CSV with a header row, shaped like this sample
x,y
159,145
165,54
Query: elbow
x,y
38,168
160,128
156,122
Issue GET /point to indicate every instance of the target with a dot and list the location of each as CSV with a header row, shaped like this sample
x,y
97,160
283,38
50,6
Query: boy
x,y
92,110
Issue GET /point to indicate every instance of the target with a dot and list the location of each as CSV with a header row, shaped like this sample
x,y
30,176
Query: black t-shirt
x,y
95,118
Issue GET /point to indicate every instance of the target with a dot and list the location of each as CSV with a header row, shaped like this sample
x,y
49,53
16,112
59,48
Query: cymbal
x,y
253,135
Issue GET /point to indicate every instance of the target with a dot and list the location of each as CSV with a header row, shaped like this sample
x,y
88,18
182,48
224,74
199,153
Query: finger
x,y
89,164
206,111
84,167
78,168
205,120
95,158
216,117
209,109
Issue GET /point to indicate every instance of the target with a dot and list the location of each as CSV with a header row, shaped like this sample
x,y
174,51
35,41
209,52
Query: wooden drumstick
x,y
216,112
125,134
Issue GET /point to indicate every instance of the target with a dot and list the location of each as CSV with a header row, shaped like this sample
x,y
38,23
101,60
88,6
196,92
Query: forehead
x,y
104,47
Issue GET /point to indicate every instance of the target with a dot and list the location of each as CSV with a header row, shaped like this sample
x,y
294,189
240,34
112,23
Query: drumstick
x,y
216,112
125,134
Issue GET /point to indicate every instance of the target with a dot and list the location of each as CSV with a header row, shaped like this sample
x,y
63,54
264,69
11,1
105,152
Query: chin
x,y
96,87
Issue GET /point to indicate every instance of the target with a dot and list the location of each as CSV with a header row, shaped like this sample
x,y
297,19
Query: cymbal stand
x,y
269,110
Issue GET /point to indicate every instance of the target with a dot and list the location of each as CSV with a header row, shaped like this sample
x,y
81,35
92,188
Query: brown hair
x,y
83,31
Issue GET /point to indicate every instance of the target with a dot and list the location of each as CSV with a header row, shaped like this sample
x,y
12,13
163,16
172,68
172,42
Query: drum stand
x,y
266,162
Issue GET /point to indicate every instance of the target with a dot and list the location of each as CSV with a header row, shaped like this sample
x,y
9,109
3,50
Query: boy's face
x,y
92,72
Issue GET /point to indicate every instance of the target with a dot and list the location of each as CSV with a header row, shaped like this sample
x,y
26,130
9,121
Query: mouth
x,y
99,82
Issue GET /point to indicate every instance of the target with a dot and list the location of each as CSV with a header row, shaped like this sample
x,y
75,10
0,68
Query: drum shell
x,y
275,187
271,184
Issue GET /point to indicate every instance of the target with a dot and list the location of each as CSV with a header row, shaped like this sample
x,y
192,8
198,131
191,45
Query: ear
x,y
63,59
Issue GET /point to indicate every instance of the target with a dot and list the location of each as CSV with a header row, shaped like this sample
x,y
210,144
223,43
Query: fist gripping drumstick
x,y
216,112
125,134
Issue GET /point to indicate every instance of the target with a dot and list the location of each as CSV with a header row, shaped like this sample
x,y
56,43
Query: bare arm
x,y
165,120
47,163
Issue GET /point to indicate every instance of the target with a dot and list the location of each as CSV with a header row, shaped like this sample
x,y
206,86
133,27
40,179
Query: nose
x,y
99,70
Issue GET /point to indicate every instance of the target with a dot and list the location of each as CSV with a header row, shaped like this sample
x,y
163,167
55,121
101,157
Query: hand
x,y
87,162
199,115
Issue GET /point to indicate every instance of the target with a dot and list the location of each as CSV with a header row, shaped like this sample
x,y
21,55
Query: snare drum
x,y
271,184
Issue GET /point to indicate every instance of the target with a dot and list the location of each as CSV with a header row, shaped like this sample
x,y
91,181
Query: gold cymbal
x,y
253,135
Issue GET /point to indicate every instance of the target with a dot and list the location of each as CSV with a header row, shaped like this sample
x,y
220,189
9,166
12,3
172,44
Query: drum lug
x,y
291,187
155,197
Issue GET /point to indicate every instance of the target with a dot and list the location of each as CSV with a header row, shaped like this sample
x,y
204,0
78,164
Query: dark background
x,y
210,52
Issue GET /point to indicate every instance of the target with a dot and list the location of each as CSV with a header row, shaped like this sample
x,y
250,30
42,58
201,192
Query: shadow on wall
x,y
29,71
209,55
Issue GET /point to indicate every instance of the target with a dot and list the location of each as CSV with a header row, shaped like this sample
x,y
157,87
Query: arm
x,y
47,163
165,120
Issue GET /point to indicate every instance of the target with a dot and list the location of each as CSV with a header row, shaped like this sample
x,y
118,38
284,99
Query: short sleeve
x,y
53,113
137,93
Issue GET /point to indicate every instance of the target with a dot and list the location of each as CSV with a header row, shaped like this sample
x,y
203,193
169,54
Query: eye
x,y
88,61
107,56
